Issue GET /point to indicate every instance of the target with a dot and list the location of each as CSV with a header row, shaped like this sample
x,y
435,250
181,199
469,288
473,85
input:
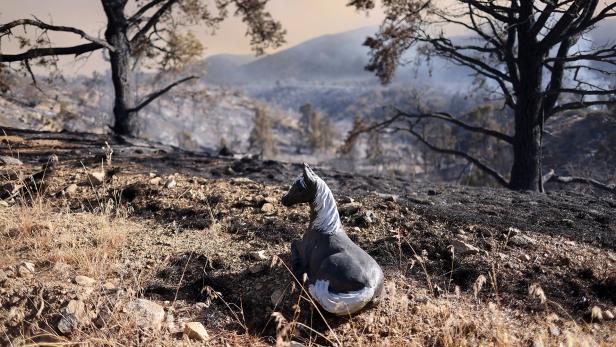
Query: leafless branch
x,y
6,28
480,164
552,177
153,96
48,51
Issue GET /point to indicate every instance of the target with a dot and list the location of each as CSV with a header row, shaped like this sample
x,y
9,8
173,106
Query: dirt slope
x,y
182,230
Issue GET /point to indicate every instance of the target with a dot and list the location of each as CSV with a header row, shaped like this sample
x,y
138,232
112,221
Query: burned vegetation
x,y
128,244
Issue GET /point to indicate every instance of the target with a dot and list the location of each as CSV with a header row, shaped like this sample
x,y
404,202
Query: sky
x,y
303,20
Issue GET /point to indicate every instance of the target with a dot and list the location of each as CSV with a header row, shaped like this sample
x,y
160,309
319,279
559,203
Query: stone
x,y
240,180
258,255
7,160
156,181
270,199
257,268
73,315
276,297
171,184
84,281
388,197
349,209
147,314
346,200
108,286
608,315
524,257
196,331
463,247
201,305
365,219
554,330
596,314
71,189
267,208
25,269
521,241
96,177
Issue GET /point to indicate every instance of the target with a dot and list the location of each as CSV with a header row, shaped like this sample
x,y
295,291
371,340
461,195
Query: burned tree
x,y
152,32
261,137
528,50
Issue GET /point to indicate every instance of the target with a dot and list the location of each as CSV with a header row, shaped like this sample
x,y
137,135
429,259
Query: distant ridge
x,y
340,57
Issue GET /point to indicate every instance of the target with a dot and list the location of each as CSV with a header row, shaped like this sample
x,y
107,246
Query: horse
x,y
341,276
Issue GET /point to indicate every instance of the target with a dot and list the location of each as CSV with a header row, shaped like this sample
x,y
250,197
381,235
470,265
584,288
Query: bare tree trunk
x,y
116,35
525,171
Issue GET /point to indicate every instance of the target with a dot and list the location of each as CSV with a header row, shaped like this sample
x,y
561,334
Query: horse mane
x,y
324,212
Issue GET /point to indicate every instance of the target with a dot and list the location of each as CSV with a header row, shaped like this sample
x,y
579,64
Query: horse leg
x,y
296,260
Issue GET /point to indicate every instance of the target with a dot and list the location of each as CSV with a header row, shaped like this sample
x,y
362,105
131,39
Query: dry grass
x,y
98,235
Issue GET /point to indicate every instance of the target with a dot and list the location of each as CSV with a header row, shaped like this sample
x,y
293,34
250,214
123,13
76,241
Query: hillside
x,y
173,237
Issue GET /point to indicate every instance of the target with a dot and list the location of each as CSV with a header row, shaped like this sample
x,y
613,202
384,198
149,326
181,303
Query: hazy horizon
x,y
303,20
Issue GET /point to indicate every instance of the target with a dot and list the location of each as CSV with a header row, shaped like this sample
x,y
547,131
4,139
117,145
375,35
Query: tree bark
x,y
526,170
116,35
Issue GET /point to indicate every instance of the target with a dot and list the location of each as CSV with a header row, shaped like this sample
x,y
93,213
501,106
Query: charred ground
x,y
190,225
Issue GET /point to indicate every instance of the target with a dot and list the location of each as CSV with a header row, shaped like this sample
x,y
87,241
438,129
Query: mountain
x,y
334,57
341,57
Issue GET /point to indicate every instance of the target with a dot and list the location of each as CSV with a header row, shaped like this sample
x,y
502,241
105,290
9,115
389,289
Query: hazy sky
x,y
303,19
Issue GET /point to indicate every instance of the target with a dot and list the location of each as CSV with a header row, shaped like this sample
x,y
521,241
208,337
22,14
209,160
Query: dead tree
x,y
153,31
526,49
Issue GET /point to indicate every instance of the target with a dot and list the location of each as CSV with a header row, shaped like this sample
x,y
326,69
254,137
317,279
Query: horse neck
x,y
324,212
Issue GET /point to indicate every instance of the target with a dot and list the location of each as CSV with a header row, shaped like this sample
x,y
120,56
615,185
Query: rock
x,y
156,181
463,247
346,200
554,330
108,286
366,218
171,184
420,201
96,177
276,297
240,180
4,203
521,241
196,331
349,209
73,316
596,314
201,305
267,208
25,269
270,199
524,257
152,174
568,222
258,255
257,268
608,315
61,268
84,281
147,314
388,197
6,160
71,189
296,344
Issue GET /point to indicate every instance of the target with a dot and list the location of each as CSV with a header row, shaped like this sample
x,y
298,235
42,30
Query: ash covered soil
x,y
204,239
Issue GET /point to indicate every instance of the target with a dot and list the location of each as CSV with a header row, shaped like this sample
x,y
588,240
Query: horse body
x,y
342,277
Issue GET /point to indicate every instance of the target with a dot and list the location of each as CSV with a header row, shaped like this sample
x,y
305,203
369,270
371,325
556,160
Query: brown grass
x,y
105,241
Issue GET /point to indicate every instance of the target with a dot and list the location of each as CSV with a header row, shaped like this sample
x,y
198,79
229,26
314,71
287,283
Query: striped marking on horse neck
x,y
324,210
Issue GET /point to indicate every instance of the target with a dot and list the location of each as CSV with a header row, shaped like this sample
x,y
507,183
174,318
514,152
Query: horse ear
x,y
308,173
